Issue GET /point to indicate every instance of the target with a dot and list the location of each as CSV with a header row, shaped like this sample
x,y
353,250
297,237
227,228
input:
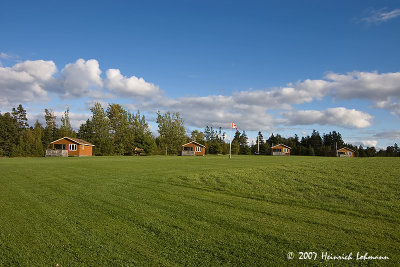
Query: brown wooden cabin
x,y
345,152
280,150
69,146
139,151
193,149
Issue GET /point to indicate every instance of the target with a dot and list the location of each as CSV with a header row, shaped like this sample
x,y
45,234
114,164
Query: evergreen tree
x,y
9,136
243,144
19,115
316,142
235,143
50,131
143,138
86,131
311,151
208,134
66,128
37,146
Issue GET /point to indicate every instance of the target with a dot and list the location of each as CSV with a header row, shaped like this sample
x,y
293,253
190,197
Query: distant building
x,y
139,151
69,146
280,150
345,152
193,149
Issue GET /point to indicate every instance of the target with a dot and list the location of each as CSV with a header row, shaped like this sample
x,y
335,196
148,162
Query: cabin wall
x,y
193,146
85,150
280,153
346,151
81,150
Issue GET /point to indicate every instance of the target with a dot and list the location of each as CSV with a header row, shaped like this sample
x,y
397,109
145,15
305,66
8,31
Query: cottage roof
x,y
282,145
194,142
75,140
347,149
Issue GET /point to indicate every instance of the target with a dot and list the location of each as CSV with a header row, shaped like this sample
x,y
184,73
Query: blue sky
x,y
277,66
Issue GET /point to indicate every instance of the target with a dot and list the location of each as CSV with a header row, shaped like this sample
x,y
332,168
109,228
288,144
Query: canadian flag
x,y
233,125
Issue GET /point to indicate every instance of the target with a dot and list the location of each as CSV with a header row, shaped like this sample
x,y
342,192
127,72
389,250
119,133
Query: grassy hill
x,y
197,210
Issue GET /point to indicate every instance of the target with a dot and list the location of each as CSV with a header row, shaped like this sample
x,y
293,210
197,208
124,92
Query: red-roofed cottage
x,y
280,150
345,152
69,146
193,149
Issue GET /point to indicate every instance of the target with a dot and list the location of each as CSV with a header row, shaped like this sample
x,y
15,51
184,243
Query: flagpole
x,y
230,142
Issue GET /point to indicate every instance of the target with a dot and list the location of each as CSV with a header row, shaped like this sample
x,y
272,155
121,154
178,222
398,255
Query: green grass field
x,y
208,210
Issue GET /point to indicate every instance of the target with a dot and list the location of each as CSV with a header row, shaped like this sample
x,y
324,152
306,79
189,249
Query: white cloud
x,y
283,98
39,69
129,86
391,105
340,116
395,135
366,85
25,82
365,143
215,111
81,78
76,119
31,81
381,15
249,109
5,56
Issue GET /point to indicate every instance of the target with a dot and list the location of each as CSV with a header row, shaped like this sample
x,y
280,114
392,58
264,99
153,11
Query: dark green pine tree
x,y
50,131
9,134
66,128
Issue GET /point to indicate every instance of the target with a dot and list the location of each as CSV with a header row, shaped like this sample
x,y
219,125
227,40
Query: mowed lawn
x,y
250,210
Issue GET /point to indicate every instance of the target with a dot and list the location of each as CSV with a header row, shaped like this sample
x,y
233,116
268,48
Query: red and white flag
x,y
233,125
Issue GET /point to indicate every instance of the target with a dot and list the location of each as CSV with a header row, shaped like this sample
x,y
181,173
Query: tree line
x,y
113,131
216,142
116,131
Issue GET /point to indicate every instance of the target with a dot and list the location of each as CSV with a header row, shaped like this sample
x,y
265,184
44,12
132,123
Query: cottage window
x,y
198,149
72,147
83,147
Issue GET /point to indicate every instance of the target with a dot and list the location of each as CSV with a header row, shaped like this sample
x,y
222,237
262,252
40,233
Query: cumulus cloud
x,y
249,109
388,135
365,143
81,78
39,69
5,56
25,82
129,86
381,89
30,81
366,85
391,105
76,119
215,111
283,98
340,116
381,15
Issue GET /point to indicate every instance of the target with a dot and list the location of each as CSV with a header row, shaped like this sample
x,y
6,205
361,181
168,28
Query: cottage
x,y
193,149
139,151
69,146
280,150
345,152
